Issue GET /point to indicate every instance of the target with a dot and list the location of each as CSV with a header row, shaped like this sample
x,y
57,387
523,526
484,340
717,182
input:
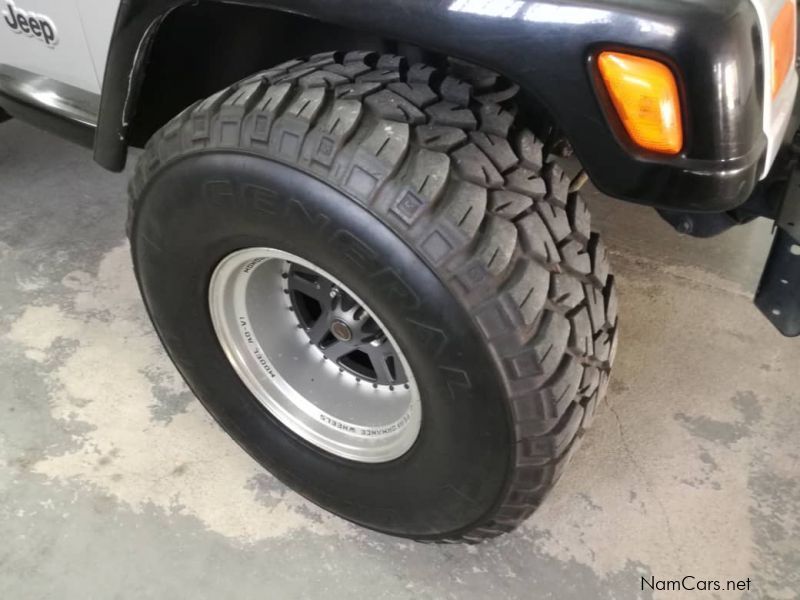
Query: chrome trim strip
x,y
50,95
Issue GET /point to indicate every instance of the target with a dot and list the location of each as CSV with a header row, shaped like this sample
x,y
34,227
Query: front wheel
x,y
370,277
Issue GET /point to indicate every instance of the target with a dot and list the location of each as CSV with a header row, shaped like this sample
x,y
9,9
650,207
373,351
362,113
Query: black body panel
x,y
547,47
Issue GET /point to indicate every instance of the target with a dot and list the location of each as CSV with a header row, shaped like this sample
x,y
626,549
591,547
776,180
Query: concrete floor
x,y
114,483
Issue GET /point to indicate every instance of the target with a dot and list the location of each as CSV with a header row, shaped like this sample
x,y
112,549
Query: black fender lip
x,y
547,47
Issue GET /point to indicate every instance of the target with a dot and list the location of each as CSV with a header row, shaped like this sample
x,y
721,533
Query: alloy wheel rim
x,y
315,355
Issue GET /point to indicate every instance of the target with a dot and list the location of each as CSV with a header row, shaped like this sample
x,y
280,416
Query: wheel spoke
x,y
366,330
379,361
337,350
318,289
387,365
319,329
399,371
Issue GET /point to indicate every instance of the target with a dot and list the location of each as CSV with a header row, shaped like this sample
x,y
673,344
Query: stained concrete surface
x,y
114,483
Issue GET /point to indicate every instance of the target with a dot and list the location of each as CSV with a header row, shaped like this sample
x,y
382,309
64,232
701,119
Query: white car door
x,y
46,39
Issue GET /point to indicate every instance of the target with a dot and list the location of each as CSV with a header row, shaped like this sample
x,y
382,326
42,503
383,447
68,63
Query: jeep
x,y
353,228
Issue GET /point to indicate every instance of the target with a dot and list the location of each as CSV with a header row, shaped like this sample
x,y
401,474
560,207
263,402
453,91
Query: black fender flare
x,y
714,47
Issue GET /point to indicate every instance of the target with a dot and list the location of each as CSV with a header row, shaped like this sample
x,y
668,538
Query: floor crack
x,y
647,482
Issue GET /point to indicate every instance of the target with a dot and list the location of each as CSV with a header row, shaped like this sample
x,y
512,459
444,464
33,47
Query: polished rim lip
x,y
361,448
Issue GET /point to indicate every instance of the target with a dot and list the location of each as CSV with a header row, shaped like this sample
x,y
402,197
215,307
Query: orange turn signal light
x,y
645,95
783,40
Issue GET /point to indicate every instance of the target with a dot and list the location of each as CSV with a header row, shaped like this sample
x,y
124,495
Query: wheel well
x,y
202,48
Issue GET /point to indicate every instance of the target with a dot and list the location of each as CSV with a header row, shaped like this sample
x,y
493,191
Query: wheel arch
x,y
189,56
145,84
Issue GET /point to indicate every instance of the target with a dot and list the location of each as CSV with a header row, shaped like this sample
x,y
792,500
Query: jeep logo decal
x,y
31,24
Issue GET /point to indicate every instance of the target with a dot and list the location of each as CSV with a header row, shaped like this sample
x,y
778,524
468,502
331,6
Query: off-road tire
x,y
441,159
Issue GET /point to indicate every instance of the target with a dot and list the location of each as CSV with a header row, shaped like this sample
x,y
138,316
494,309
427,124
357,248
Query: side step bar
x,y
49,104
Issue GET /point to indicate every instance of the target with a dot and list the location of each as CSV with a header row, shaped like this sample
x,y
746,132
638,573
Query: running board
x,y
65,110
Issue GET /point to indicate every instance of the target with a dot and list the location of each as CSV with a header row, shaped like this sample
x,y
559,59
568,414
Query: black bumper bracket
x,y
778,295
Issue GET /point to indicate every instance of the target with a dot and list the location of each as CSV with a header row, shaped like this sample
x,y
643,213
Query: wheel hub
x,y
342,328
341,331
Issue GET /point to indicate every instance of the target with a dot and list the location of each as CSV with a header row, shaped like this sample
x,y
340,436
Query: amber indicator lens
x,y
784,38
645,96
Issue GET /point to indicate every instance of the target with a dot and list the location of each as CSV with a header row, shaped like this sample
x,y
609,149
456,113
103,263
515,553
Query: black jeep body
x,y
547,48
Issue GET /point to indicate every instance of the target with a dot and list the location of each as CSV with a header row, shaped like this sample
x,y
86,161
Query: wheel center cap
x,y
341,331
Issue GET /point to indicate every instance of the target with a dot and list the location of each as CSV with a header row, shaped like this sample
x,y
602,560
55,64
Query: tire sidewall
x,y
199,209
